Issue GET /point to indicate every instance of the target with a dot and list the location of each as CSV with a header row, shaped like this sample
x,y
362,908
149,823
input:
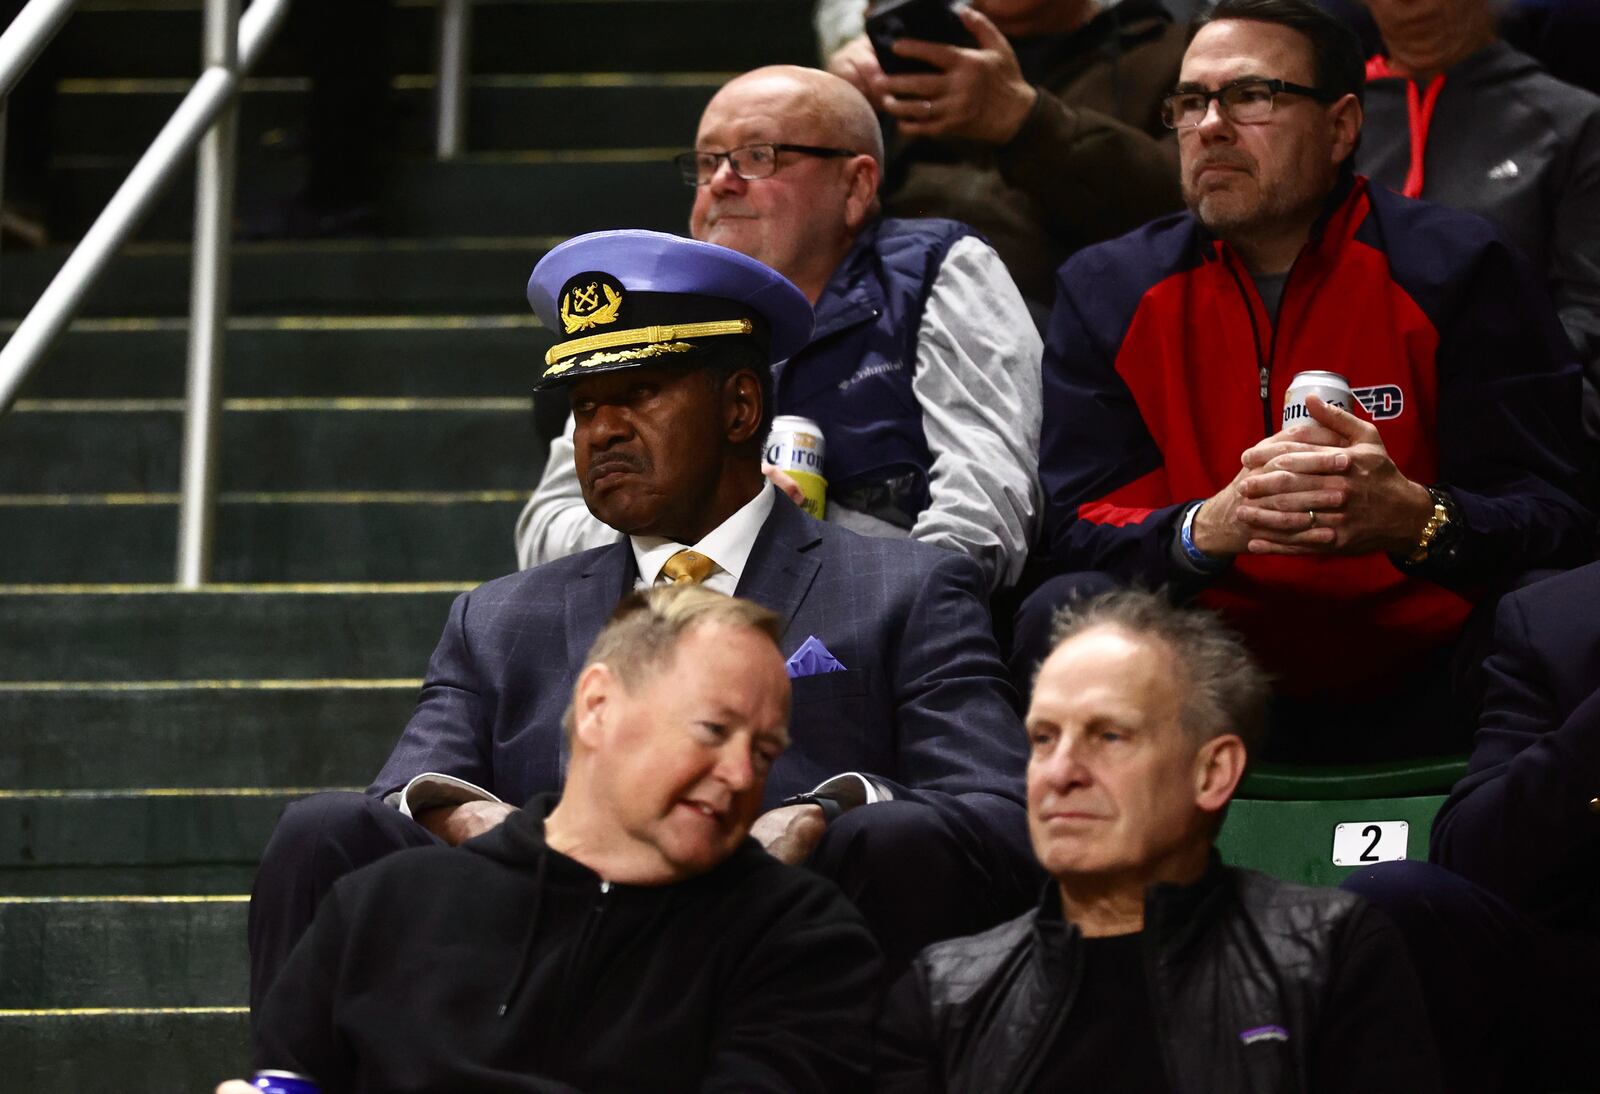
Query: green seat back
x,y
1392,779
1296,840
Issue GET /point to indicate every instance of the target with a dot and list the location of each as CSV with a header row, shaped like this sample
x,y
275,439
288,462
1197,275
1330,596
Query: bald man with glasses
x,y
923,373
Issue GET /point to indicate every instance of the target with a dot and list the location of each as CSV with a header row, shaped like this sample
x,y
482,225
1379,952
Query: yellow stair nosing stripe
x,y
280,497
235,589
177,249
308,684
298,323
171,792
130,898
417,81
116,1012
518,404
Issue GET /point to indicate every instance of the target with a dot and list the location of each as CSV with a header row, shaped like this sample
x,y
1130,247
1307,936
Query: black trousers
x,y
1431,712
317,841
917,874
1513,1003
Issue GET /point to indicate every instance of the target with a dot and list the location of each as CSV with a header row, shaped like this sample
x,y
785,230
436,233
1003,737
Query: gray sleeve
x,y
837,21
555,522
977,381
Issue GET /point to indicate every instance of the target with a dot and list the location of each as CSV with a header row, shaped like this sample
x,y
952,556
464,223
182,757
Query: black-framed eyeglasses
x,y
753,161
1243,102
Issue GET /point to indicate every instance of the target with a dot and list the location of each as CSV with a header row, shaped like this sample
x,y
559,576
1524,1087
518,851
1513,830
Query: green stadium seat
x,y
1314,825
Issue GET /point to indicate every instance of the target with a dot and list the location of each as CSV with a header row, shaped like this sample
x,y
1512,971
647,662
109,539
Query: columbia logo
x,y
1506,169
1263,1033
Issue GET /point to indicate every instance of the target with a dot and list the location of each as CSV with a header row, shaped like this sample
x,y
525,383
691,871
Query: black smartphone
x,y
927,20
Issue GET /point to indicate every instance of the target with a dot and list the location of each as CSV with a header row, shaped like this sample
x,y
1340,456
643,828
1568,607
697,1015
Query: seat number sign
x,y
1360,843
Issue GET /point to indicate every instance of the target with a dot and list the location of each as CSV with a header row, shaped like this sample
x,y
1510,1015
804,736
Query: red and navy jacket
x,y
1162,366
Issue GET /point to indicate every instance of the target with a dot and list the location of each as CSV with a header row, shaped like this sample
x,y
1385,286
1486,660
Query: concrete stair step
x,y
75,736
487,274
159,826
249,632
74,446
151,879
515,193
122,951
299,355
79,1051
111,117
507,36
273,538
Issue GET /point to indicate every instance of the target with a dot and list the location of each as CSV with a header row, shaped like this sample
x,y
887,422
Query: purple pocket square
x,y
812,658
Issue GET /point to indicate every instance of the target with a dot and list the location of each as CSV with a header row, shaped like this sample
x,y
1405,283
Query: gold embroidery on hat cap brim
x,y
655,350
663,333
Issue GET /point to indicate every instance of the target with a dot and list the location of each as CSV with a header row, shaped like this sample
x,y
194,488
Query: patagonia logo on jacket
x,y
1263,1033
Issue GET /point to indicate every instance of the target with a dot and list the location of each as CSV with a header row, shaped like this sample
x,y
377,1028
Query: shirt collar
x,y
728,544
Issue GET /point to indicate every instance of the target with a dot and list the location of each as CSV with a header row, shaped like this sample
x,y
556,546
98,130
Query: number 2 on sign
x,y
1359,843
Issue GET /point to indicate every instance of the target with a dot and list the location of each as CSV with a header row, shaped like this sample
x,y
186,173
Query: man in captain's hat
x,y
904,779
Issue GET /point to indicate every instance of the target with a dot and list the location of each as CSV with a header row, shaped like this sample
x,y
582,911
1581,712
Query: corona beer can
x,y
1330,387
795,447
284,1082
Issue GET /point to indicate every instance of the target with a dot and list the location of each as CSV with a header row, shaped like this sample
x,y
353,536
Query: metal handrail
x,y
455,57
27,36
232,46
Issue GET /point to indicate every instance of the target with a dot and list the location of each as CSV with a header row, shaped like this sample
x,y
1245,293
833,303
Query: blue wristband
x,y
1194,554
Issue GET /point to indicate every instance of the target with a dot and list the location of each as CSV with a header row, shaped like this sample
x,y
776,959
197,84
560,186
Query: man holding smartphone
x,y
1044,132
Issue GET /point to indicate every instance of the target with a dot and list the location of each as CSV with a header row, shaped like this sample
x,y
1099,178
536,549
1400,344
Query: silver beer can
x,y
795,446
1330,387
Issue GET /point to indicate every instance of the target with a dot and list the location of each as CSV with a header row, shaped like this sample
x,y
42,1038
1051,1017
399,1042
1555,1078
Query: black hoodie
x,y
505,966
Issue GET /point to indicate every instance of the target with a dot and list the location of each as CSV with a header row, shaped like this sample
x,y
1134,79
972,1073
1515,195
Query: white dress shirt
x,y
728,545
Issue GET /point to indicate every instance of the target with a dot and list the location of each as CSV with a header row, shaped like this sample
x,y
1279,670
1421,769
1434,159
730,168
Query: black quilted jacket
x,y
1258,987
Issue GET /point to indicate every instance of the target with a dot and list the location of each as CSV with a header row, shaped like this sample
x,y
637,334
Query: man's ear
x,y
1218,767
862,201
741,406
1346,116
591,700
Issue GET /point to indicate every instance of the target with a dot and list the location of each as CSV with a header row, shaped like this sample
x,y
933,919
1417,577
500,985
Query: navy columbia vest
x,y
854,378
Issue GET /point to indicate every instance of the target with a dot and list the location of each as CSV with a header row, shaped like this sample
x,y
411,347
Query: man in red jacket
x,y
1350,553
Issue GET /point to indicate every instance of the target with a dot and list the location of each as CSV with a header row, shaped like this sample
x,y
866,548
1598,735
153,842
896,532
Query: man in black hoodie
x,y
628,935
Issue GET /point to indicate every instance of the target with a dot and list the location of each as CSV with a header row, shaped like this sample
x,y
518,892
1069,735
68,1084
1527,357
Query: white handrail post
x,y
455,53
208,308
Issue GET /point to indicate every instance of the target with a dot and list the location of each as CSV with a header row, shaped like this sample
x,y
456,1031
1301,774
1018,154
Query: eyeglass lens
x,y
756,161
1246,103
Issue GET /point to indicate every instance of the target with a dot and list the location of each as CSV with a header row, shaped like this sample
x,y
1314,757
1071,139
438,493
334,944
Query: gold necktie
x,y
688,567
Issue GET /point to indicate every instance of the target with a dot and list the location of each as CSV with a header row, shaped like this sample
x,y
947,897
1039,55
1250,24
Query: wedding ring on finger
x,y
927,108
1312,513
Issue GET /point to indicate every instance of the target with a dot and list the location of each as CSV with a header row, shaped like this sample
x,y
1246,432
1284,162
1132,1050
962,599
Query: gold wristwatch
x,y
1438,521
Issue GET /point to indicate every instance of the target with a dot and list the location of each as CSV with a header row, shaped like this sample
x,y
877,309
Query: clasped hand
x,y
1328,488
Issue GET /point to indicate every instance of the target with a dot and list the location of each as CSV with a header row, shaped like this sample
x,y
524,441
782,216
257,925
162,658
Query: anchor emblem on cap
x,y
581,306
